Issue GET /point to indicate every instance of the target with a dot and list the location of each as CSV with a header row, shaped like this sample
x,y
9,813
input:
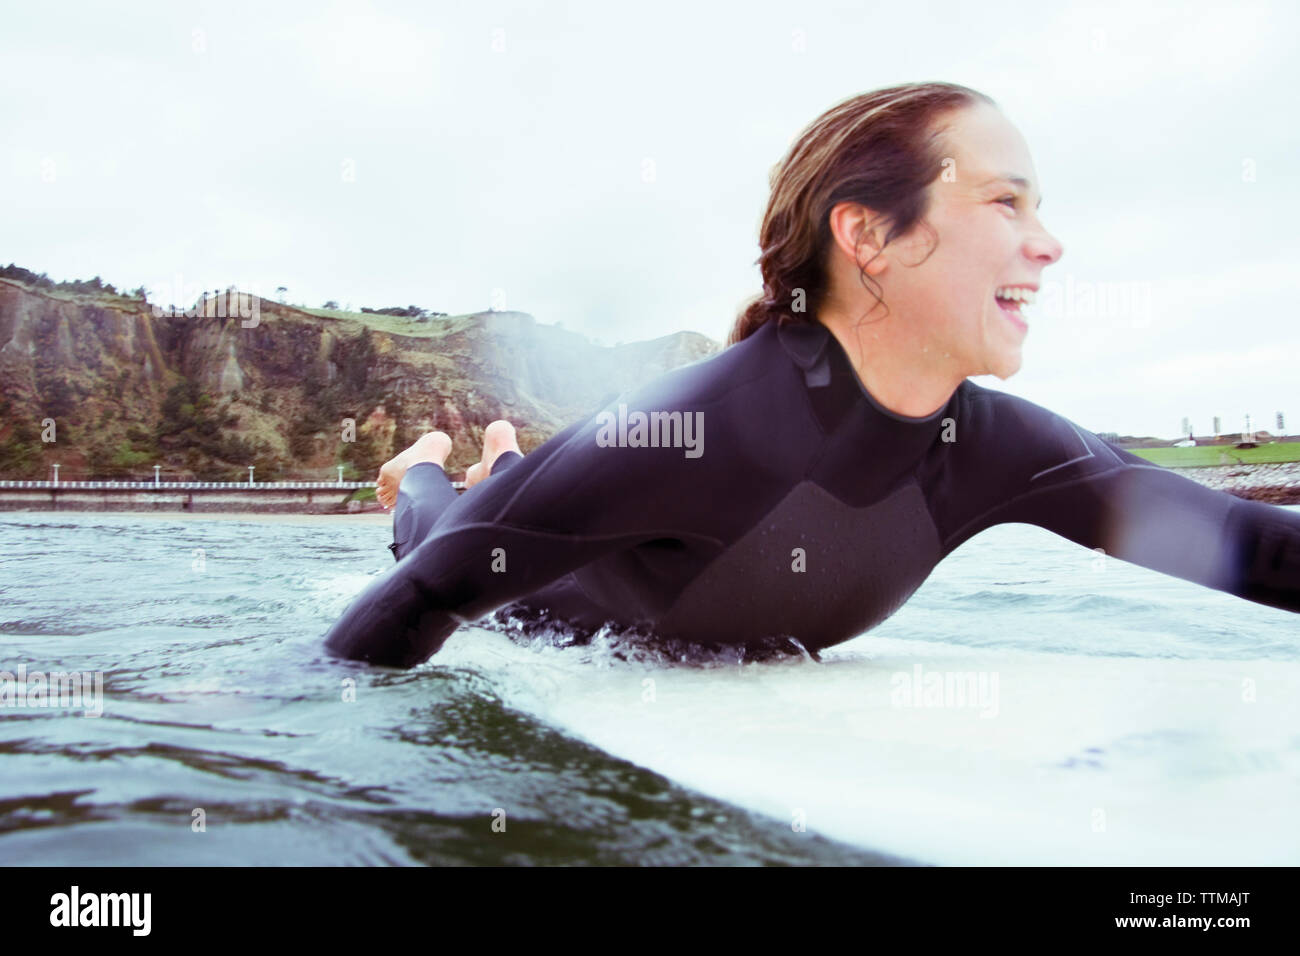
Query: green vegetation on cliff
x,y
42,281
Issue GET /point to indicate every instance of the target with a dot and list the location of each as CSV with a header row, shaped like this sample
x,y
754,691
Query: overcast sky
x,y
605,165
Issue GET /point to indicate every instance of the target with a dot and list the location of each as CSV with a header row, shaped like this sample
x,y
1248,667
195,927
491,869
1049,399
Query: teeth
x,y
1014,292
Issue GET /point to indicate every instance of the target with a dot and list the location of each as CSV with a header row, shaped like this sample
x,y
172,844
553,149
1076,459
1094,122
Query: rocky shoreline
x,y
1277,484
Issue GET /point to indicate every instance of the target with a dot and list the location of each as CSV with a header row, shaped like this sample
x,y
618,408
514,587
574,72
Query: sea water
x,y
1033,702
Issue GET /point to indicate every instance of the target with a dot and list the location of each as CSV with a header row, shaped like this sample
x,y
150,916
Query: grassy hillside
x,y
436,327
1202,455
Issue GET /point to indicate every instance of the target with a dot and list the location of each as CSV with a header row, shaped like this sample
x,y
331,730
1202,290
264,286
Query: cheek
x,y
967,256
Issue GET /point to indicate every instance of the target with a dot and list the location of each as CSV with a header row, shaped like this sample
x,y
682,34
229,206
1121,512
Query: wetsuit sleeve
x,y
1039,468
565,504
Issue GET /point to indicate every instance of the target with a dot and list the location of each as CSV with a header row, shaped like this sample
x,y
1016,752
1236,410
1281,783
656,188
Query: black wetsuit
x,y
807,510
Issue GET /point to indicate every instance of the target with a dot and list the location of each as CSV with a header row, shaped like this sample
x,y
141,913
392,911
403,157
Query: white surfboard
x,y
949,754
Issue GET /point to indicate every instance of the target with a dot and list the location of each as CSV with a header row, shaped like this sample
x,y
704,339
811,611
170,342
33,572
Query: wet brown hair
x,y
881,149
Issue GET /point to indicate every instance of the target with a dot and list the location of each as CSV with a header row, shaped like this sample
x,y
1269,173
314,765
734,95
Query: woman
x,y
805,481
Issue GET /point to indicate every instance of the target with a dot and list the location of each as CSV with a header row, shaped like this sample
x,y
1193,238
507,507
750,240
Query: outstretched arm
x,y
1070,481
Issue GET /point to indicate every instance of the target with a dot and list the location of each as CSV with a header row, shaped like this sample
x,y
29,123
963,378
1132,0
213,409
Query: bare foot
x,y
431,446
498,437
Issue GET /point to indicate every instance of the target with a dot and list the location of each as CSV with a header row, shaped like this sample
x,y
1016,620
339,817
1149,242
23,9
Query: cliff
x,y
105,386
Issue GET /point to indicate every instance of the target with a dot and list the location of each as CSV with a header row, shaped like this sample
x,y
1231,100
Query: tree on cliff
x,y
58,400
192,422
20,446
353,393
371,449
107,457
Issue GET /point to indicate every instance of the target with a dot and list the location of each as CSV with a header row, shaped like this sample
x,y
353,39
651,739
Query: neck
x,y
901,371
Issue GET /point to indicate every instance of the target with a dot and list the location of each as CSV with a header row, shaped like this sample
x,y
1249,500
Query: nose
x,y
1044,247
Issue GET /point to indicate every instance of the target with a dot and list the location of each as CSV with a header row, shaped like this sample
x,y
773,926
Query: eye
x,y
1011,199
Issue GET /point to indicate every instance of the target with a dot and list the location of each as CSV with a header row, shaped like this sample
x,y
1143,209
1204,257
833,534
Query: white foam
x,y
1191,771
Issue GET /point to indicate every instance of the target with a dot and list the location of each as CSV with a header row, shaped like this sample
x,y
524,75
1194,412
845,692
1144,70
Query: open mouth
x,y
1011,308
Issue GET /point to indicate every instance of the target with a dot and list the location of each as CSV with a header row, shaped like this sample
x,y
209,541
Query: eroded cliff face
x,y
294,393
75,337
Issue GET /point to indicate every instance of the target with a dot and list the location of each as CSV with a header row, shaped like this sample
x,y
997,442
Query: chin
x,y
1006,365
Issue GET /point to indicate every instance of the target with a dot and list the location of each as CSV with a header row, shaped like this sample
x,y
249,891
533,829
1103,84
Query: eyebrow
x,y
1012,178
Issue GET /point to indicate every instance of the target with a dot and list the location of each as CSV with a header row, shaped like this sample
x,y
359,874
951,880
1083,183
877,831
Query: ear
x,y
858,233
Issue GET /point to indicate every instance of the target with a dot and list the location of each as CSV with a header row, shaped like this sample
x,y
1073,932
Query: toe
x,y
499,432
498,437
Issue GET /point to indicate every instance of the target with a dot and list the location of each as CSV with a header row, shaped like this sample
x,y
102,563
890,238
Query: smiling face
x,y
989,237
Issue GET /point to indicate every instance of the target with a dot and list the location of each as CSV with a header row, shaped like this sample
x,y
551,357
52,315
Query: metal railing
x,y
191,485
